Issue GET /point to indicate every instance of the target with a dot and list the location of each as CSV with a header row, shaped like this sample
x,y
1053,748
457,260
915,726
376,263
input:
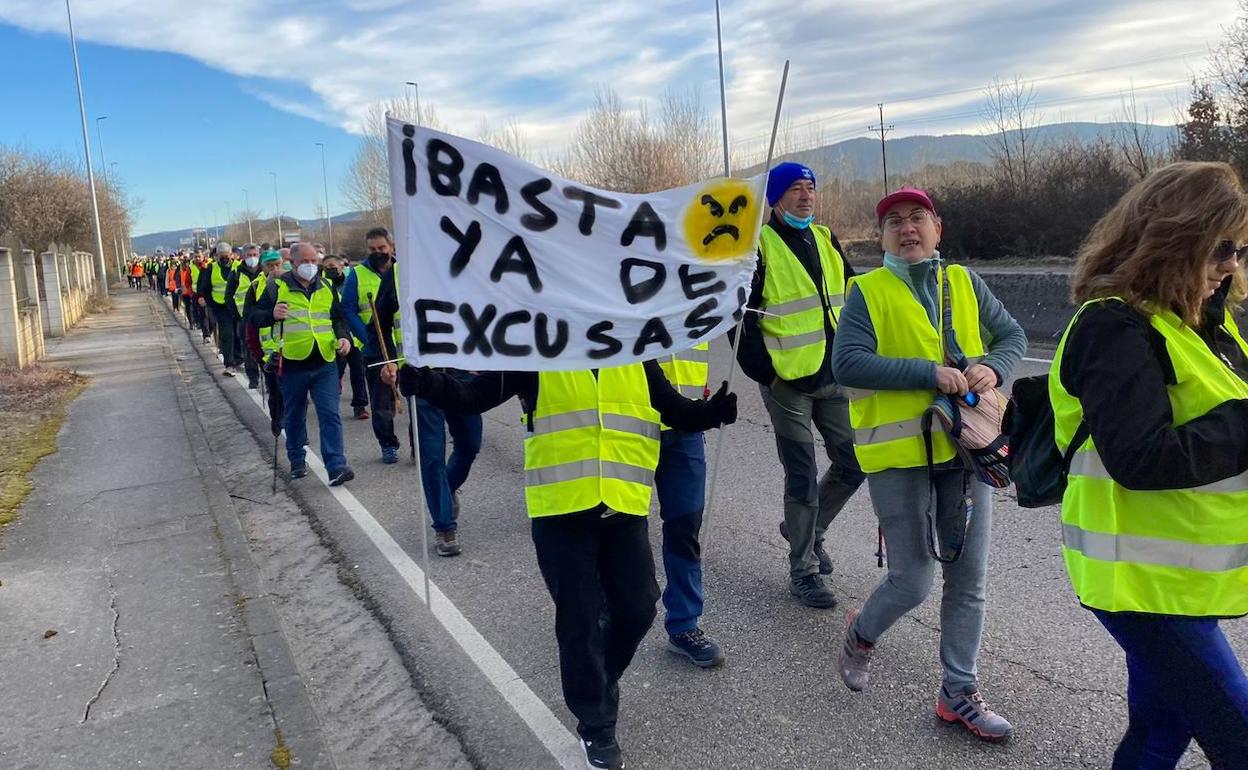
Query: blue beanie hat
x,y
782,178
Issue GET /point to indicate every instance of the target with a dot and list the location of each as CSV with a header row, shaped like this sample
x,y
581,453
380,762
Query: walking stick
x,y
385,351
281,344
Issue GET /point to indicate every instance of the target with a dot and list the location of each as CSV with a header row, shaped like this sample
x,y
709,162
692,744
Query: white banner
x,y
506,266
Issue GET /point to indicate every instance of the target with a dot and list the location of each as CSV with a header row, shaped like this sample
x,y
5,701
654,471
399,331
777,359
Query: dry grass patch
x,y
33,402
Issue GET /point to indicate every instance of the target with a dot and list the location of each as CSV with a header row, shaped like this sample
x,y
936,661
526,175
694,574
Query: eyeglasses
x,y
1227,250
894,222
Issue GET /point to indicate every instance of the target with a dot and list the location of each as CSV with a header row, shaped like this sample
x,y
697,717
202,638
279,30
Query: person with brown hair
x,y
1150,387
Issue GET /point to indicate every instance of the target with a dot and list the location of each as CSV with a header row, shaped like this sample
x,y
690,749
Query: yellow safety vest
x,y
309,322
268,342
887,424
194,277
1172,551
240,292
688,370
368,282
793,329
219,280
592,440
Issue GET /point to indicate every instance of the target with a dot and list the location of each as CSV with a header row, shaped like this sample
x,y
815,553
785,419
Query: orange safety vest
x,y
169,283
136,270
186,282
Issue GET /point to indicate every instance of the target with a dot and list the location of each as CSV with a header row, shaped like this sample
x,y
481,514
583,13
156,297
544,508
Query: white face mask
x,y
251,262
306,271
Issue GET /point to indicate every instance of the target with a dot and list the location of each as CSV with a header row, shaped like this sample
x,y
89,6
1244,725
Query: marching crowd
x,y
1149,393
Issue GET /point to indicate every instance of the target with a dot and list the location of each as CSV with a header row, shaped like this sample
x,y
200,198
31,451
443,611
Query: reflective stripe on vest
x,y
793,329
688,370
593,440
1169,551
268,341
309,322
219,279
366,283
888,423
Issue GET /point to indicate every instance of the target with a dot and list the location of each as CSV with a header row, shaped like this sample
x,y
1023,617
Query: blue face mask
x,y
799,223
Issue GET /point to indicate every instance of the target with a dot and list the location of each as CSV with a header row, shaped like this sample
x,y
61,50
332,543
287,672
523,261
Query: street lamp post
x,y
329,225
99,139
277,211
100,265
247,205
416,88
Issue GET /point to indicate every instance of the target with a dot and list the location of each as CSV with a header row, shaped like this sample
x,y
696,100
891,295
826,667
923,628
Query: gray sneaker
x,y
812,592
969,708
855,661
447,543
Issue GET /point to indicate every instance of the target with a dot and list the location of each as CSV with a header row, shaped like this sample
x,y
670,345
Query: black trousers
x,y
241,354
359,386
381,404
227,341
600,572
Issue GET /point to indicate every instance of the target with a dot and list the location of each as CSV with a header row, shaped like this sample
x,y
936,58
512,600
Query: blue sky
x,y
204,99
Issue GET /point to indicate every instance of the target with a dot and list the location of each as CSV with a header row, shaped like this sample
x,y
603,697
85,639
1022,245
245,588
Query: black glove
x,y
723,405
410,380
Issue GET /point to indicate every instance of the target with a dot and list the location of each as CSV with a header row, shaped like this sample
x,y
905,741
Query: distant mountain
x,y
859,159
172,240
852,159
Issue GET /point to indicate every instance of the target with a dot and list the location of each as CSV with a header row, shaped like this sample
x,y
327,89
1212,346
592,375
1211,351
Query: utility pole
x,y
882,130
99,139
100,265
329,225
247,204
277,211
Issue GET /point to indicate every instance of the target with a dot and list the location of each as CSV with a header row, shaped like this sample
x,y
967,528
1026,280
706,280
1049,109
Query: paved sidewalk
x,y
130,551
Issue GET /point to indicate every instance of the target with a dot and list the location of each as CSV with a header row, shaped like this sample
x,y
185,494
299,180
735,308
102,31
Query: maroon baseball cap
x,y
904,195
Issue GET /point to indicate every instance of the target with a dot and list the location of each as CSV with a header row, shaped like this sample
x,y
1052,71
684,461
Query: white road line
x,y
558,740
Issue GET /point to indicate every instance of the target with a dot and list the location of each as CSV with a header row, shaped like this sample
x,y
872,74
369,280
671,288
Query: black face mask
x,y
377,260
333,274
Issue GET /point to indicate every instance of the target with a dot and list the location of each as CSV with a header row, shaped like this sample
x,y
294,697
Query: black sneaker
x,y
341,476
604,753
825,561
697,647
253,385
812,591
298,471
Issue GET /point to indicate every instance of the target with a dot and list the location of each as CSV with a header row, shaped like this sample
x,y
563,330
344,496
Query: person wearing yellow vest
x,y
590,455
786,347
367,279
237,289
680,481
213,281
911,330
199,314
312,332
262,342
1151,381
442,476
334,269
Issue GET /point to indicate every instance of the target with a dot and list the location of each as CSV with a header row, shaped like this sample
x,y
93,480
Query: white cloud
x,y
481,59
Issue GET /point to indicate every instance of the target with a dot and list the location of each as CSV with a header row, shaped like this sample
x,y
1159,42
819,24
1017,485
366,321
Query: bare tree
x,y
1135,139
1012,119
508,137
366,184
629,151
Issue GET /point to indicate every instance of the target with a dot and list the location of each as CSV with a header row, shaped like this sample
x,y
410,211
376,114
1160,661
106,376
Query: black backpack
x,y
1038,468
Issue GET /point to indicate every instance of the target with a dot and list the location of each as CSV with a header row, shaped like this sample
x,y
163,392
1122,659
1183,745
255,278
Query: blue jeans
x,y
1183,682
322,384
440,476
680,480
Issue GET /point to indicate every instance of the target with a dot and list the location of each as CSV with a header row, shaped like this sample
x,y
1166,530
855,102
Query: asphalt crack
x,y
112,606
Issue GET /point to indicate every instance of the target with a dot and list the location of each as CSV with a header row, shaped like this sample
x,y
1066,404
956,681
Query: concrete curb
x,y
289,701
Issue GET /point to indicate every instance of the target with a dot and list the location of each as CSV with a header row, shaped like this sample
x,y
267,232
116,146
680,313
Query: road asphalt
x,y
137,491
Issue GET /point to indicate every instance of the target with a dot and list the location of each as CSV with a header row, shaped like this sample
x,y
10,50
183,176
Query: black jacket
x,y
751,351
261,315
1116,364
476,393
